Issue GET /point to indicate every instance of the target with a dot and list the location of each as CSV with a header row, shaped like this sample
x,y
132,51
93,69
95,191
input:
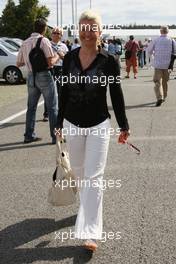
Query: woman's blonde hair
x,y
91,15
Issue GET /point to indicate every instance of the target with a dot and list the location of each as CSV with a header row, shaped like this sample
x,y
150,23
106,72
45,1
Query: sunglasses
x,y
133,147
56,33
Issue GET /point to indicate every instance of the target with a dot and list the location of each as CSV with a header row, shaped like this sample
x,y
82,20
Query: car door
x,y
3,60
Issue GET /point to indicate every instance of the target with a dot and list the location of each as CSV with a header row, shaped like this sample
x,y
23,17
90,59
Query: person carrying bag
x,y
132,47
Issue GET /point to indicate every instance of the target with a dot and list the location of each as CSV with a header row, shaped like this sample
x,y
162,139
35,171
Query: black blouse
x,y
82,96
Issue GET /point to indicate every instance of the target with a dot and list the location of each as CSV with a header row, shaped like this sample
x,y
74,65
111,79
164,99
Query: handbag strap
x,y
54,175
59,143
61,138
62,154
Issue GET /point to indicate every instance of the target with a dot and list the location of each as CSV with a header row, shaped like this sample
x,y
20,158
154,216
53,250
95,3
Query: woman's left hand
x,y
123,136
58,132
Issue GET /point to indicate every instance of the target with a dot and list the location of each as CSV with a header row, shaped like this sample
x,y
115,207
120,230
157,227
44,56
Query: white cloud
x,y
121,12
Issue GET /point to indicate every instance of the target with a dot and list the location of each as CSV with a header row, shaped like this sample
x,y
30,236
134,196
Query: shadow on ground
x,y
21,145
11,124
4,83
17,235
127,107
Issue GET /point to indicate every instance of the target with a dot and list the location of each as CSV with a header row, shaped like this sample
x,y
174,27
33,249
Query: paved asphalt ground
x,y
143,209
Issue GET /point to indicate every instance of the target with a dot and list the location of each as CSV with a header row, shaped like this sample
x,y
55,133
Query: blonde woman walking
x,y
83,109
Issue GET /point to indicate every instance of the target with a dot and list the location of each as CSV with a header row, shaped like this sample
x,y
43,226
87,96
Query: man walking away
x,y
162,48
40,82
132,48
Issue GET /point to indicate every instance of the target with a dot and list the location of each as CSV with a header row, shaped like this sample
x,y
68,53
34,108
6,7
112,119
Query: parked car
x,y
17,40
8,69
13,41
8,45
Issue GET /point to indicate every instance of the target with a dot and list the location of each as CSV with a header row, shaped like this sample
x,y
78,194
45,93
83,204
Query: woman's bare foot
x,y
90,244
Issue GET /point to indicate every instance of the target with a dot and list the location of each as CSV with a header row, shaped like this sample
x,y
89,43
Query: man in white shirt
x,y
60,49
57,45
162,48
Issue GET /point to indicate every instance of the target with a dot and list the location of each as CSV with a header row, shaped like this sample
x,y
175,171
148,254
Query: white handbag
x,y
63,190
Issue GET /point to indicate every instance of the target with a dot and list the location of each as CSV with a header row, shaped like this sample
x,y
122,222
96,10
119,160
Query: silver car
x,y
8,69
15,42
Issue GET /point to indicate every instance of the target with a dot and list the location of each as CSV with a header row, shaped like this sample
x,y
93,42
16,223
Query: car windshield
x,y
19,41
11,42
8,46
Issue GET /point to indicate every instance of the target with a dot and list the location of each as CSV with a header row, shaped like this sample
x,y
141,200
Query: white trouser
x,y
88,150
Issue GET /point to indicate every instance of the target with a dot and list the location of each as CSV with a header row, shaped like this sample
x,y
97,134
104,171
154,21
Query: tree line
x,y
18,20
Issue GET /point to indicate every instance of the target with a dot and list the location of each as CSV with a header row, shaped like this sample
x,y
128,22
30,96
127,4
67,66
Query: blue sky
x,y
117,12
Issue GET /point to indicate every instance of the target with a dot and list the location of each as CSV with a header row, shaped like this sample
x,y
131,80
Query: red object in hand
x,y
123,137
